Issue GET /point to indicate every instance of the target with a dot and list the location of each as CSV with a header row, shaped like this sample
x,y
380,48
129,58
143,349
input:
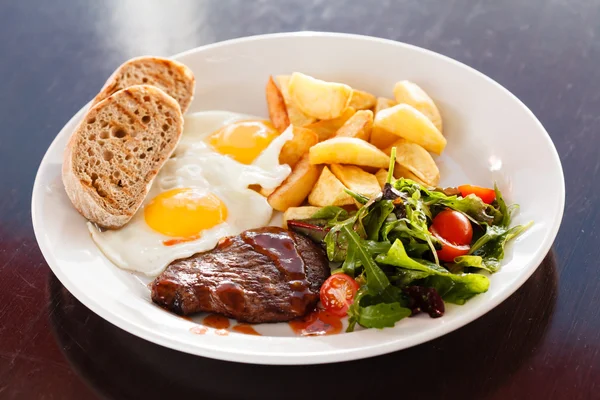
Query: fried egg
x,y
202,192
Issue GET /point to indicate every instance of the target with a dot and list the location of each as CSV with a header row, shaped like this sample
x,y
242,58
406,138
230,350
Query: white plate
x,y
491,135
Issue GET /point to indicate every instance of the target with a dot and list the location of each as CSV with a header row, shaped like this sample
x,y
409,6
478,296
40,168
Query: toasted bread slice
x,y
173,77
116,151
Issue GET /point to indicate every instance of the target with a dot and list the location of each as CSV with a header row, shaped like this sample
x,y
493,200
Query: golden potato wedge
x,y
317,98
362,100
359,126
417,160
299,145
382,103
298,213
293,191
379,137
345,150
295,115
356,179
329,191
327,128
261,190
410,93
409,123
265,192
276,105
381,176
401,172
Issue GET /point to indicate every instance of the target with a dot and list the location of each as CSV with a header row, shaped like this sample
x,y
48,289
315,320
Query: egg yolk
x,y
184,212
244,140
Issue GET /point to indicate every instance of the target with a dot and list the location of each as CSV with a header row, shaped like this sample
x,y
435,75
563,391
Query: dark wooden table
x,y
542,343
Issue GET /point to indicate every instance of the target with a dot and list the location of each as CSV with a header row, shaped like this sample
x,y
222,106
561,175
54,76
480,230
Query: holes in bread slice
x,y
146,119
119,132
104,135
107,155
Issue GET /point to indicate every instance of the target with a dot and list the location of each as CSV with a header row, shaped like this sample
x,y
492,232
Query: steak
x,y
262,275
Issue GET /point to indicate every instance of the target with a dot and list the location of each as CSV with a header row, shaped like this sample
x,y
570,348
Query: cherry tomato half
x,y
337,294
487,195
450,251
453,226
453,229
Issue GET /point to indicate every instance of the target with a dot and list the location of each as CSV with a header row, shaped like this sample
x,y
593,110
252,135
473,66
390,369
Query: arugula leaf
x,y
382,315
470,262
332,214
377,280
404,277
453,288
456,288
373,311
350,263
377,216
397,257
502,208
490,247
354,309
362,199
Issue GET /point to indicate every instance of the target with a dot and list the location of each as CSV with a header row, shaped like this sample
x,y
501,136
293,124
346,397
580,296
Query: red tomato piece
x,y
487,195
337,294
450,251
453,226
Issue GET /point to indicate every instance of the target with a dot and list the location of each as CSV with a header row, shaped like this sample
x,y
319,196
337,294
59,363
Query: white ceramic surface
x,y
491,136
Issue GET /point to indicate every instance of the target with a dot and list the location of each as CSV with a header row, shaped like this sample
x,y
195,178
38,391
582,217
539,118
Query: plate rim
x,y
330,356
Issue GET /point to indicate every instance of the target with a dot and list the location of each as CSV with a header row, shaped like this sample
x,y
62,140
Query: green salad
x,y
410,249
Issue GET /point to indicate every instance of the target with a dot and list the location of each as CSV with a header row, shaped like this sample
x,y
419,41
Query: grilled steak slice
x,y
262,275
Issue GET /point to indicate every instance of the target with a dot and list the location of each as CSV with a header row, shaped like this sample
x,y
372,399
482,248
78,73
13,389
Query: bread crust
x,y
173,77
84,196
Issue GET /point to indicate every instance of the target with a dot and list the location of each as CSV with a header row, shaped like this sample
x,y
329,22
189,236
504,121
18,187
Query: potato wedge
x,y
317,98
276,105
417,160
381,176
345,150
329,191
379,137
359,125
401,172
382,103
409,123
265,192
327,128
296,187
410,93
356,179
362,100
295,115
299,145
298,213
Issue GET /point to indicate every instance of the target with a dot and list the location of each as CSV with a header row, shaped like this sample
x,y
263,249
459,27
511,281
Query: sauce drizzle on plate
x,y
245,329
216,321
317,323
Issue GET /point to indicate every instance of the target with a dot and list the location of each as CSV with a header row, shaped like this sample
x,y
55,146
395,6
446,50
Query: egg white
x,y
194,164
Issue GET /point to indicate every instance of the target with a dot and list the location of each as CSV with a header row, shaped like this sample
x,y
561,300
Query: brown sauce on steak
x,y
263,275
